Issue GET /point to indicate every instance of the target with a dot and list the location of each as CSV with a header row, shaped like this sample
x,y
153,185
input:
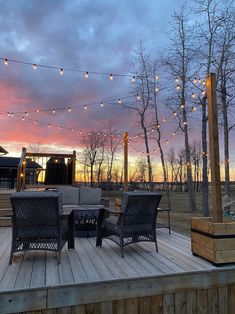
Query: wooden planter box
x,y
213,241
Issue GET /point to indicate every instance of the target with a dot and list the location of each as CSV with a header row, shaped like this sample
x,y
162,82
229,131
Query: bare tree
x,y
179,62
143,103
93,143
112,143
226,78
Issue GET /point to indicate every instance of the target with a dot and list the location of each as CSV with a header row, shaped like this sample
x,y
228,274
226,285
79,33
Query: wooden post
x,y
214,149
125,161
73,167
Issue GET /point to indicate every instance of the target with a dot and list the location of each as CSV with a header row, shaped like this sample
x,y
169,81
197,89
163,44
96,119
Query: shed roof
x,y
13,162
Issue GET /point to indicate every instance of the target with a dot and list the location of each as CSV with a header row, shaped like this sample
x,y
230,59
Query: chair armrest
x,y
105,202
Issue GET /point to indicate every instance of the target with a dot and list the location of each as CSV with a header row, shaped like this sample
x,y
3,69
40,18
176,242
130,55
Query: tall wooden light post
x,y
125,161
212,237
214,149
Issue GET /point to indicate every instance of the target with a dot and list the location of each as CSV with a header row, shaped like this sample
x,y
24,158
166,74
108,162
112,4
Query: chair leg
x,y
11,257
58,257
122,245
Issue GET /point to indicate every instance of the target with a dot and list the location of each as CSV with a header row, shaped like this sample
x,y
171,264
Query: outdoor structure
x,y
8,171
50,172
215,233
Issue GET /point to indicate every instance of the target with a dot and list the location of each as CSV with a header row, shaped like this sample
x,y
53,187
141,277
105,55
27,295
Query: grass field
x,y
180,216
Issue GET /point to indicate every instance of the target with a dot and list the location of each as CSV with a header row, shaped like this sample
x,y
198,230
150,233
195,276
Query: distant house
x,y
3,151
8,171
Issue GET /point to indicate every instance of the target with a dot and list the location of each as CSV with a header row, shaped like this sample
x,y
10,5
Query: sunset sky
x,y
99,36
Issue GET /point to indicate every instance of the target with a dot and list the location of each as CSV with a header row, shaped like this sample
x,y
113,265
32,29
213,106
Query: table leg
x,y
99,227
71,224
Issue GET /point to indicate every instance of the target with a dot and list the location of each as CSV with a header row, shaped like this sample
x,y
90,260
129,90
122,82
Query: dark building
x,y
57,172
8,171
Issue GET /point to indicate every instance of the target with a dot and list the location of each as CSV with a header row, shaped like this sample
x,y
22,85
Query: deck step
x,y
5,222
5,200
5,212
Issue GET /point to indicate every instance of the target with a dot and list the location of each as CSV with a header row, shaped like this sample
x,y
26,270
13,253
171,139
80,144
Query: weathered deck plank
x,y
99,280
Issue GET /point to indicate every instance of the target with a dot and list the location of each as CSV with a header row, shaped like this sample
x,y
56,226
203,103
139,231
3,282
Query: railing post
x,y
73,167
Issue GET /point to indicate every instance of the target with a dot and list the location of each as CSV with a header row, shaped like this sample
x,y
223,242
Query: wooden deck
x,y
88,275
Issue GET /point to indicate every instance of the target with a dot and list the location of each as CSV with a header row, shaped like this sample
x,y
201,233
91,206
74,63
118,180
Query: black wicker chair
x,y
135,222
38,223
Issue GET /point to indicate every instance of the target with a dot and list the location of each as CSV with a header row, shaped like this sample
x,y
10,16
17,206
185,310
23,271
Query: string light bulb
x,y
111,77
173,134
138,97
26,113
119,101
193,95
61,71
36,121
22,118
102,104
133,79
194,109
177,80
177,87
182,106
174,113
85,107
185,123
157,77
203,92
38,110
156,89
53,111
164,120
195,80
34,66
86,75
49,125
6,61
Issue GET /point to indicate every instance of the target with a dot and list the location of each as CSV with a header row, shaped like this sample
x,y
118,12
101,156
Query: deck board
x,y
90,264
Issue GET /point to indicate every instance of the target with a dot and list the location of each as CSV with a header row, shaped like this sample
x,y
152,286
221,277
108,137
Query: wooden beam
x,y
214,149
73,167
125,161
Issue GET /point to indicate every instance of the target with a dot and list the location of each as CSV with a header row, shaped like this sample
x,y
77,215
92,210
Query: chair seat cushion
x,y
112,223
90,196
70,195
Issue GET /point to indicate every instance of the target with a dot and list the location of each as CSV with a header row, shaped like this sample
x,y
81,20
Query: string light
x,y
174,113
22,118
38,110
195,80
184,123
49,125
138,97
156,89
85,107
69,109
203,92
102,104
193,95
53,111
62,69
164,120
26,114
182,106
157,77
194,109
177,80
86,75
119,101
111,77
178,87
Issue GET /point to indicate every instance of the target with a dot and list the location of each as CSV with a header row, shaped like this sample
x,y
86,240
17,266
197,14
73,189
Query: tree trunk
x,y
226,147
150,175
92,170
